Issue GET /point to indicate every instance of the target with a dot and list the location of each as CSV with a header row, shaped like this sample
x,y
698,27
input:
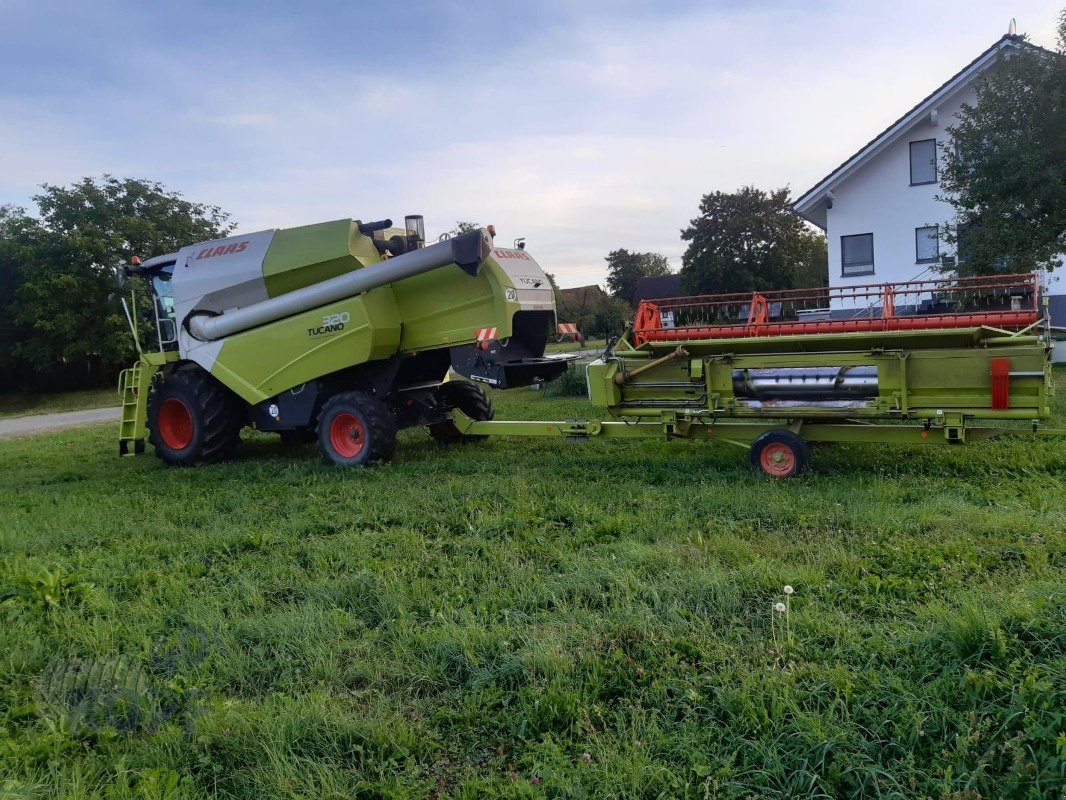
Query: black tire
x,y
193,419
780,454
469,399
355,429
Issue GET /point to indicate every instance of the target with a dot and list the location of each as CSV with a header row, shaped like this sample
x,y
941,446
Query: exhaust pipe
x,y
468,251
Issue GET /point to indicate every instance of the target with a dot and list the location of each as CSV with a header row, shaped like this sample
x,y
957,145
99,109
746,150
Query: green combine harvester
x,y
345,332
342,332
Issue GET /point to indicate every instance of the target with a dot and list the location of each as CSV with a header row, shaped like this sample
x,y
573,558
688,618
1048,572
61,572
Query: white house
x,y
879,208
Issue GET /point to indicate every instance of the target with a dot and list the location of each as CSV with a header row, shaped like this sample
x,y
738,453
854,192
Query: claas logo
x,y
222,250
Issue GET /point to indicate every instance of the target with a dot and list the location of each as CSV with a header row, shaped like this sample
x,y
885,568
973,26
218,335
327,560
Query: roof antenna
x,y
1012,29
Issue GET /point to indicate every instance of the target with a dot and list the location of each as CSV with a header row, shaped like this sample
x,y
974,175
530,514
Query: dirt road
x,y
46,423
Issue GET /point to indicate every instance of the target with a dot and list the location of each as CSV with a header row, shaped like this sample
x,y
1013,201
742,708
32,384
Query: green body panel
x,y
924,375
310,254
259,363
446,306
672,426
441,308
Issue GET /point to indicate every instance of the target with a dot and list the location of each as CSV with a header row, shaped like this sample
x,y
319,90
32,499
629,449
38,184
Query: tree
x,y
17,232
624,269
749,241
1006,174
462,227
594,311
65,327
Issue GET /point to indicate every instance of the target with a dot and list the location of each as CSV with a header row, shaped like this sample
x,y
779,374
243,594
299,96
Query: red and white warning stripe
x,y
485,334
568,327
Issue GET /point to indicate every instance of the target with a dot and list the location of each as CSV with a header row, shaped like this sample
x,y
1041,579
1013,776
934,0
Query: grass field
x,y
527,618
17,404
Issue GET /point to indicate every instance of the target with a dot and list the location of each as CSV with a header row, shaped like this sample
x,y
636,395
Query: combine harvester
x,y
344,332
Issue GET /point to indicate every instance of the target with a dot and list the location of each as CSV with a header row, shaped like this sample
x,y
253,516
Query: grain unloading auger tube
x,y
342,332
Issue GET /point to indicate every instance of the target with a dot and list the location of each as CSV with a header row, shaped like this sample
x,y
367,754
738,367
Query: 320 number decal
x,y
337,319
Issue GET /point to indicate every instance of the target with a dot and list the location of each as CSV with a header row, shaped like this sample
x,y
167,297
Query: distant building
x,y
657,286
879,209
572,304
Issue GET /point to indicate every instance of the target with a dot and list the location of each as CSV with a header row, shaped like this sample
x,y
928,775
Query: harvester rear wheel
x,y
780,454
355,429
193,419
469,399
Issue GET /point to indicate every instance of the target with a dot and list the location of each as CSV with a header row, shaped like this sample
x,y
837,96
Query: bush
x,y
570,384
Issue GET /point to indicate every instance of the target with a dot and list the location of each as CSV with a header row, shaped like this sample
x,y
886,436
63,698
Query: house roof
x,y
649,288
811,205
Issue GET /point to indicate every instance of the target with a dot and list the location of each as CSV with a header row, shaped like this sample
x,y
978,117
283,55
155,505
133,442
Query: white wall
x,y
879,199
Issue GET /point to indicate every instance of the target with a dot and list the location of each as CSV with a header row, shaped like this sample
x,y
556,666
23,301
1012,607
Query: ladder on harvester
x,y
133,389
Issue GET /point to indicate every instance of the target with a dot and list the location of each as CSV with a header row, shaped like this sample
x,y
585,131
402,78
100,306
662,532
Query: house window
x,y
927,244
923,162
857,254
964,236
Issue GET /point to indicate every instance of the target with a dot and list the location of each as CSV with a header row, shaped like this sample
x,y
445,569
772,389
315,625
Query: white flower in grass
x,y
779,607
789,590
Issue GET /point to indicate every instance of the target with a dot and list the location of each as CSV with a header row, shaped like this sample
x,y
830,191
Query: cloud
x,y
583,128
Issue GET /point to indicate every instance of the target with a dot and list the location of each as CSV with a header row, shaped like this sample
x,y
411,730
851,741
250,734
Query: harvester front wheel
x,y
780,454
193,419
469,399
355,429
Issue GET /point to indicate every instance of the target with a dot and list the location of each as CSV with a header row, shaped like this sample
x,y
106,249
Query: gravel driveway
x,y
44,423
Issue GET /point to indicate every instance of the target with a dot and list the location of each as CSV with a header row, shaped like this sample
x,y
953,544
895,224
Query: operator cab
x,y
159,272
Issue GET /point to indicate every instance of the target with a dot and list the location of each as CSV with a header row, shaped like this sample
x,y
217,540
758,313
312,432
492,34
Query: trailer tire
x,y
469,399
355,429
780,454
193,419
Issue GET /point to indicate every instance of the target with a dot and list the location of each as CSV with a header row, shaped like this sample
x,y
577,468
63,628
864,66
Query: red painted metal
x,y
347,435
175,424
1000,369
1010,302
777,460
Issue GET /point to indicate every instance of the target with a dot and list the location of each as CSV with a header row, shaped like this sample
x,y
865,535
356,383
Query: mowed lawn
x,y
531,618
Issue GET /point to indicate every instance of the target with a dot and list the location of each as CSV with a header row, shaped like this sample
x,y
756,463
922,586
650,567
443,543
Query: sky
x,y
583,127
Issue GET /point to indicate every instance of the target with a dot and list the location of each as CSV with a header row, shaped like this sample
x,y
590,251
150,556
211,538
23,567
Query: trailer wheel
x,y
469,399
355,429
193,419
780,454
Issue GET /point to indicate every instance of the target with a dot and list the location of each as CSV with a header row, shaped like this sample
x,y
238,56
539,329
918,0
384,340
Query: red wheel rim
x,y
777,460
347,435
175,424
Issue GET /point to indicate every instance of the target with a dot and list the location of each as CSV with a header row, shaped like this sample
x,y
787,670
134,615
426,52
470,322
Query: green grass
x,y
527,618
17,404
592,347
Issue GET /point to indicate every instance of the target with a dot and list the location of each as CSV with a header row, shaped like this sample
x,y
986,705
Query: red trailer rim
x,y
175,424
777,460
347,435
